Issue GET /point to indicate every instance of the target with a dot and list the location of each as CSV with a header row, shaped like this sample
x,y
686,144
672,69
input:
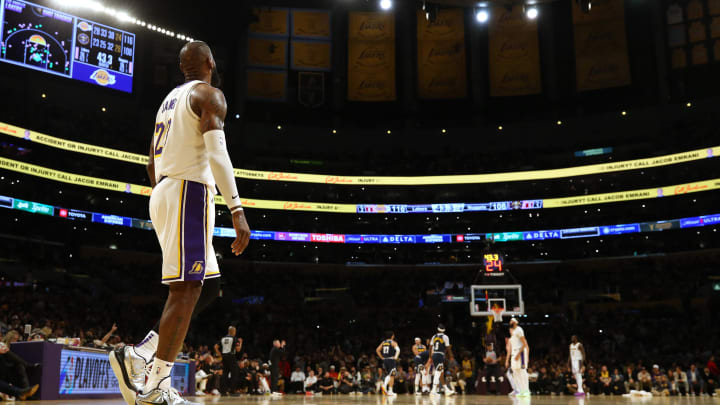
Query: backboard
x,y
484,297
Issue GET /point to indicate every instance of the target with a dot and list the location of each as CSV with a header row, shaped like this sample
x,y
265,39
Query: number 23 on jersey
x,y
161,131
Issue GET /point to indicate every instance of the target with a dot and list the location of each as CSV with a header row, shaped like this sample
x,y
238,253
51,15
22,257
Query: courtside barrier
x,y
113,185
601,168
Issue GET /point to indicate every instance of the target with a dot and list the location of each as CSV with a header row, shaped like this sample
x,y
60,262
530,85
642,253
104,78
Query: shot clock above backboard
x,y
493,263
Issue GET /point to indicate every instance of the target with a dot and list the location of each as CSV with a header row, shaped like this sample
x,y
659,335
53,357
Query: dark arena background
x,y
403,166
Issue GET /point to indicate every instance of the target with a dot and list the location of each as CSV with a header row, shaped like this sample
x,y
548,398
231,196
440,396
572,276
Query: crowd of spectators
x,y
77,303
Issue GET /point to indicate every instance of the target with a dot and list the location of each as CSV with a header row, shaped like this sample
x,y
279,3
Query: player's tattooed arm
x,y
212,106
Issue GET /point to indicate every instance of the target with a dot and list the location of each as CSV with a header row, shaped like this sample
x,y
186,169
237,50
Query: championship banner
x,y
547,174
371,70
601,46
267,85
442,70
310,55
271,21
371,57
266,52
371,26
310,24
514,54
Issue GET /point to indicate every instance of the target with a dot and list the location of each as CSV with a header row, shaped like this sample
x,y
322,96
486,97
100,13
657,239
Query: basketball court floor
x,y
410,400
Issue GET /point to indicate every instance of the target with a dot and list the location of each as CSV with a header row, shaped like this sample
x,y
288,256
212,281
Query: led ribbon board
x,y
592,199
495,261
54,42
645,163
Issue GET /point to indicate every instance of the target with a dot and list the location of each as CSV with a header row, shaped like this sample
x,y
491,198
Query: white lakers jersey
x,y
515,341
179,147
575,353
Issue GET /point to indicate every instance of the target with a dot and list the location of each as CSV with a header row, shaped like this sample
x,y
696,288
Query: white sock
x,y
417,382
436,380
386,382
578,380
147,347
159,376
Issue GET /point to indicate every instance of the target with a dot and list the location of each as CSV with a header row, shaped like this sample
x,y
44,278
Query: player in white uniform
x,y
518,361
508,373
577,357
188,158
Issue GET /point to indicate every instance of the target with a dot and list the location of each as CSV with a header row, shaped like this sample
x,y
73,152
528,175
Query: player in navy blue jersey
x,y
422,355
439,345
389,351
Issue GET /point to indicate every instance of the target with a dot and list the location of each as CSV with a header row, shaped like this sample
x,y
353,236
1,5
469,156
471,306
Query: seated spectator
x,y
604,381
630,379
645,382
297,378
695,380
13,379
661,386
345,385
326,385
709,381
311,382
401,381
617,382
544,382
680,382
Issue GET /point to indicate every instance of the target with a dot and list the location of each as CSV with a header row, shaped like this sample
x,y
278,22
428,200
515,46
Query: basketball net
x,y
497,313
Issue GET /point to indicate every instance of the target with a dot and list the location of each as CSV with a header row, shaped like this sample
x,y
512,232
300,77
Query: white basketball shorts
x,y
183,215
575,366
516,363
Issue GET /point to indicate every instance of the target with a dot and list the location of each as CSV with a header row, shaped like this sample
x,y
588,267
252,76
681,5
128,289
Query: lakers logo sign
x,y
197,268
103,77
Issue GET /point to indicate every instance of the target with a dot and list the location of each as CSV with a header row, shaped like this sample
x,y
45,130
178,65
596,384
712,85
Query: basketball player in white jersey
x,y
188,158
508,373
518,360
576,359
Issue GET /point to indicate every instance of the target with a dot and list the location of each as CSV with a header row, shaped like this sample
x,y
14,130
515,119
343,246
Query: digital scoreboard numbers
x,y
48,40
493,263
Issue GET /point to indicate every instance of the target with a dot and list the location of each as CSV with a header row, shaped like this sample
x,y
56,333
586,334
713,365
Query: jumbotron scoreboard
x,y
58,43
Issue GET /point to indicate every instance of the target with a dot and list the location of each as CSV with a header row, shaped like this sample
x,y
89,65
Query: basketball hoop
x,y
497,313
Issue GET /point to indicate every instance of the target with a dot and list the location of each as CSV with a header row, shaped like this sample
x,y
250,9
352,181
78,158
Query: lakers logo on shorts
x,y
197,267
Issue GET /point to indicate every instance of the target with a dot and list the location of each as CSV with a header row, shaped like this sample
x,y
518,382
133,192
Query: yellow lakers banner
x,y
271,21
601,56
442,71
310,55
266,52
371,26
636,164
311,24
105,184
269,85
514,54
371,57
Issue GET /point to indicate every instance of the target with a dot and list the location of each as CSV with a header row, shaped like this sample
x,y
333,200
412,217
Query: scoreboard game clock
x,y
493,263
54,42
